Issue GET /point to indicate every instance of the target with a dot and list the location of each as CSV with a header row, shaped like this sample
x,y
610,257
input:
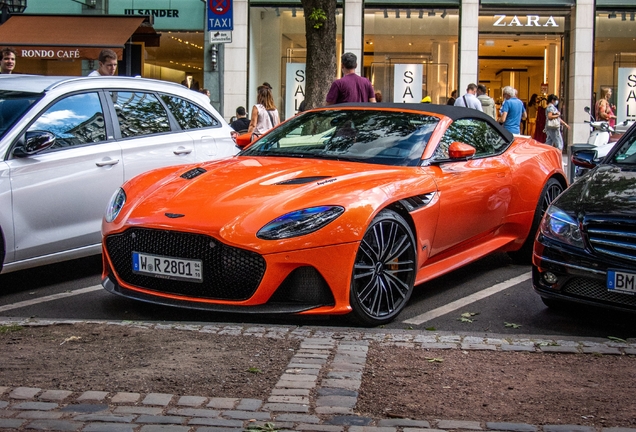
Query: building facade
x,y
407,48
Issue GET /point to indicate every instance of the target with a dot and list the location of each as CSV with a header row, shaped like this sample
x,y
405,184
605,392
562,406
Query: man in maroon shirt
x,y
351,87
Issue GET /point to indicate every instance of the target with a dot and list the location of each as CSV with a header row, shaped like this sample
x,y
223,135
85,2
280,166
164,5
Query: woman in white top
x,y
264,113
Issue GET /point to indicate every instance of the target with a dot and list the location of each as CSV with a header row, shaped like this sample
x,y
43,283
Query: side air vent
x,y
302,180
195,172
418,201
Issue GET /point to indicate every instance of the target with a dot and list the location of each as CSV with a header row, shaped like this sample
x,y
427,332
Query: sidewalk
x,y
299,401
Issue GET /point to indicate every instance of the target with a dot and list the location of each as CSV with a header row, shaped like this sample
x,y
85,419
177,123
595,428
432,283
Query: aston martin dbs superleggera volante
x,y
339,210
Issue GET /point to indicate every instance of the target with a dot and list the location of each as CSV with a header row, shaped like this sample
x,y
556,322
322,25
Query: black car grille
x,y
615,239
228,273
596,289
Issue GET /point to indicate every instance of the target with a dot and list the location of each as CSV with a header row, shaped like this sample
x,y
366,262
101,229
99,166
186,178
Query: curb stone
x,y
298,402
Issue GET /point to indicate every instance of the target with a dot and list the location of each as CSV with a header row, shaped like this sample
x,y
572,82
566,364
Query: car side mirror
x,y
459,150
584,158
243,140
34,142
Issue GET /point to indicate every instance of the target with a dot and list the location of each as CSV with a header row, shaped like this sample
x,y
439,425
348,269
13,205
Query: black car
x,y
585,250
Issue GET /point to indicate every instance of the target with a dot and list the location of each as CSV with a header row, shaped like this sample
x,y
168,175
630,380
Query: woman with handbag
x,y
553,123
264,113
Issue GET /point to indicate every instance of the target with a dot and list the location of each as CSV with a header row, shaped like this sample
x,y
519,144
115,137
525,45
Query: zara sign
x,y
527,21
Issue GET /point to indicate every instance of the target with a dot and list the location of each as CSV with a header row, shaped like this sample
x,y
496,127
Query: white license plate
x,y
621,281
167,267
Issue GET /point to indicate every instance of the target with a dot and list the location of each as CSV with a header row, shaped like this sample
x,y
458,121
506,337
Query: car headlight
x,y
115,205
560,226
299,222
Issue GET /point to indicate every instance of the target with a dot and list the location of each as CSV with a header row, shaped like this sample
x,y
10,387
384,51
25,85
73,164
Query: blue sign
x,y
220,15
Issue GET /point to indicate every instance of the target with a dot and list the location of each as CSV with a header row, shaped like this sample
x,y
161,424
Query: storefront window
x,y
411,53
615,60
180,54
278,52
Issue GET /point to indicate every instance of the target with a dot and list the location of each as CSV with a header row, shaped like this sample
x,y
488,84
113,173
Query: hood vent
x,y
418,201
195,172
302,180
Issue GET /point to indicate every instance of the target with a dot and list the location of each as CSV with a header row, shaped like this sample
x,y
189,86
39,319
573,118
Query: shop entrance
x,y
529,63
524,50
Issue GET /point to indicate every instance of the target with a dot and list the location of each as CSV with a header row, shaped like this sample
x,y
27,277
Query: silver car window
x,y
13,105
74,120
189,115
139,114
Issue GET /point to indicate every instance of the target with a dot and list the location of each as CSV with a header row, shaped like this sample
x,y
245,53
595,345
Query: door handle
x,y
107,162
182,150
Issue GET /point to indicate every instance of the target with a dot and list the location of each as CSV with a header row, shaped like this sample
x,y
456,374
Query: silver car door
x,y
212,137
145,133
59,195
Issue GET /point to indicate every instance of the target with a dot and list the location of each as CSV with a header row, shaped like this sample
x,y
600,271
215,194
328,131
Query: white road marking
x,y
49,298
457,304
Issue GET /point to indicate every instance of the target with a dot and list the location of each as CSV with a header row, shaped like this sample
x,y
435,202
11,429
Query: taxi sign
x,y
220,15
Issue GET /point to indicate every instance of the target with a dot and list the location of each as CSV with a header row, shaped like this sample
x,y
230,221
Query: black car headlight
x,y
300,222
115,205
558,225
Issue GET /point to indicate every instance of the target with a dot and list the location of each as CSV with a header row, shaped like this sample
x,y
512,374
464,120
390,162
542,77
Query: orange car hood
x,y
236,197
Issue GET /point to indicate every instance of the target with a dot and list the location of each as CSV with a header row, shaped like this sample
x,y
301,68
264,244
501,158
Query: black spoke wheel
x,y
551,190
384,270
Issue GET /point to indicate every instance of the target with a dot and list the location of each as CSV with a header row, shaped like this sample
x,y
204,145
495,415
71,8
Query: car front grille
x,y
596,289
615,239
229,273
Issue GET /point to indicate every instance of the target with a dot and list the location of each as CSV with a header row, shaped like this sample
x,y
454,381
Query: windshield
x,y
12,106
369,136
626,154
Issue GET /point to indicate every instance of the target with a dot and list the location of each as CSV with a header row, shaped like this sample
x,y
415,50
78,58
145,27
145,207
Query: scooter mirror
x,y
587,109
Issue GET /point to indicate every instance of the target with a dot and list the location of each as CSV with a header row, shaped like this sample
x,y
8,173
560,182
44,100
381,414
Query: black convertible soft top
x,y
453,112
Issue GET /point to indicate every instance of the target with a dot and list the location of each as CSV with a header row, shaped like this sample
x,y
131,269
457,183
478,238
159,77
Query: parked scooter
x,y
602,138
600,135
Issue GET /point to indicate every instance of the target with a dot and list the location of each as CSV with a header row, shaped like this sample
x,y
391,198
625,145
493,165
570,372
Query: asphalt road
x,y
492,296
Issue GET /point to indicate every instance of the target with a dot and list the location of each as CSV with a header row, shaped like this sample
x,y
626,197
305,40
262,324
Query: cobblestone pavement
x,y
297,402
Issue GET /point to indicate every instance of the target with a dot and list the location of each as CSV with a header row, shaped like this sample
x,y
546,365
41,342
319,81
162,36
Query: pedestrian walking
x,y
487,103
264,113
452,99
7,64
351,87
553,123
512,111
107,63
242,123
469,99
604,110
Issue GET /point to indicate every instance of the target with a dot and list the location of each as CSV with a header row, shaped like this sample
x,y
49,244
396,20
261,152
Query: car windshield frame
x,y
13,106
383,137
625,153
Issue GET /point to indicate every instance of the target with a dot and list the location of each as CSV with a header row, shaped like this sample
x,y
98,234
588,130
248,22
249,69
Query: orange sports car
x,y
339,210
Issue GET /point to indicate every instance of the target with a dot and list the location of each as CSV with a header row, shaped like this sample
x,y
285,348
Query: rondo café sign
x,y
57,53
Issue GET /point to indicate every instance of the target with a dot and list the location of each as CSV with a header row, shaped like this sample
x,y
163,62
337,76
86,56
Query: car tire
x,y
551,190
384,270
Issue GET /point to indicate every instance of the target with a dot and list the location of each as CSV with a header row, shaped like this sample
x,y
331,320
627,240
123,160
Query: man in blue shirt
x,y
512,110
